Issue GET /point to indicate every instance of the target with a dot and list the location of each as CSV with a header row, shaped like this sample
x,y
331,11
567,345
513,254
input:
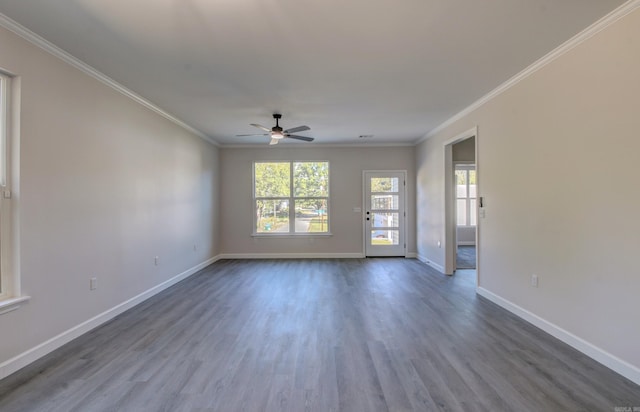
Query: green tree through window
x,y
291,197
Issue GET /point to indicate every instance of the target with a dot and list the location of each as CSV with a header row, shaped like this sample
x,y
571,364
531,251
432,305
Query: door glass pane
x,y
382,202
472,212
461,212
311,216
384,184
271,179
385,237
472,190
272,215
384,219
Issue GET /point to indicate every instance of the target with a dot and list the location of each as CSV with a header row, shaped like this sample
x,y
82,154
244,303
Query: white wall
x,y
105,186
557,155
346,166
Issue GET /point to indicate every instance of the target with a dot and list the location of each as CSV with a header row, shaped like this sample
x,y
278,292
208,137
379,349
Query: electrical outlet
x,y
439,244
93,283
156,260
534,280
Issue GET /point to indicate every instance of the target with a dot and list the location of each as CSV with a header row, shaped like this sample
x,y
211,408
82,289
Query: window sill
x,y
290,235
12,304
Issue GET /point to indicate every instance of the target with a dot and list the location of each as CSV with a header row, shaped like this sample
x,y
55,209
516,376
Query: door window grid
x,y
384,202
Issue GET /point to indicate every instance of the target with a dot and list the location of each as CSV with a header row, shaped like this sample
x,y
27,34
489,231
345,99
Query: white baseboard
x,y
624,368
411,255
20,361
292,256
431,263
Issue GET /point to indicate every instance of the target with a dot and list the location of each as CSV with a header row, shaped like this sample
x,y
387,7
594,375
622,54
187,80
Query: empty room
x,y
275,205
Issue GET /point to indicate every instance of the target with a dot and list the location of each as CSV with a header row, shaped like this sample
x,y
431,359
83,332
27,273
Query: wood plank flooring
x,y
317,335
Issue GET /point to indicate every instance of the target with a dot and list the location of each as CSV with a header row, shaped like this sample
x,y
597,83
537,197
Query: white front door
x,y
384,213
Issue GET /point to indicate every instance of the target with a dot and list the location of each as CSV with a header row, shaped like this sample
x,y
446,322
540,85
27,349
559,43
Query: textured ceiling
x,y
394,69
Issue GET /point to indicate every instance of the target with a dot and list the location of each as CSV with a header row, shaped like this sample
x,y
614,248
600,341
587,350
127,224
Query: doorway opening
x,y
465,205
462,203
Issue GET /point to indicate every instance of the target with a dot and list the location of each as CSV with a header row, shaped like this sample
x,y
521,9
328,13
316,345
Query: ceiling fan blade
x,y
297,129
305,138
273,141
245,135
266,129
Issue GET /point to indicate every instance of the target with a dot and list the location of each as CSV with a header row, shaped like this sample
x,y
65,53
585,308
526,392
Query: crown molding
x,y
56,51
314,145
565,47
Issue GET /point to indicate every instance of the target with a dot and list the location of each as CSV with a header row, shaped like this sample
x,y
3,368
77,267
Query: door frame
x,y
364,212
450,241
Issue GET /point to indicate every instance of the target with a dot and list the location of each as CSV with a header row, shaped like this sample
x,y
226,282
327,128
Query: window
x,y
465,195
5,289
10,298
291,197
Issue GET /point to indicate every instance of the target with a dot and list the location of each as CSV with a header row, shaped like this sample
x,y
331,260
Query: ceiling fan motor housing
x,y
277,130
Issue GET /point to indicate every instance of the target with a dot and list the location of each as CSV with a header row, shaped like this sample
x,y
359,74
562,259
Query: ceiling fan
x,y
278,134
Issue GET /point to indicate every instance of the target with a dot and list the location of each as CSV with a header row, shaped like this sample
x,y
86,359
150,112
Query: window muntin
x,y
291,197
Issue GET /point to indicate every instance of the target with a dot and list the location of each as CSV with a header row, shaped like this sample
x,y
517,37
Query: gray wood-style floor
x,y
317,335
466,257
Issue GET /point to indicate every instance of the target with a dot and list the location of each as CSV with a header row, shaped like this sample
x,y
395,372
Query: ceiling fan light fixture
x,y
277,133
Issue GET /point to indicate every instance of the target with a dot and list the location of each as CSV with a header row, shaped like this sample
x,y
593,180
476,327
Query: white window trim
x,y
10,292
291,233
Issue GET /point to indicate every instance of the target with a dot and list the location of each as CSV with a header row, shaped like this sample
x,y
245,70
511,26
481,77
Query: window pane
x,y
461,191
272,179
384,184
3,133
461,183
461,212
272,215
472,212
472,177
382,202
311,216
385,237
311,179
472,191
384,219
